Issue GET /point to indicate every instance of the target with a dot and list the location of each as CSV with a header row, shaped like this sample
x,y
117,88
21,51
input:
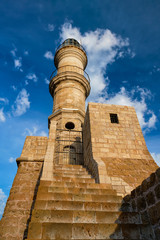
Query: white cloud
x,y
102,47
21,103
156,157
49,55
35,131
129,98
12,159
18,63
155,70
13,52
2,116
31,76
26,52
3,199
43,134
50,27
14,88
17,60
46,81
4,100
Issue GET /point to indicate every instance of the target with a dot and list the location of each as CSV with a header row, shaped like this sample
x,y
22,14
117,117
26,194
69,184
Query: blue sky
x,y
122,40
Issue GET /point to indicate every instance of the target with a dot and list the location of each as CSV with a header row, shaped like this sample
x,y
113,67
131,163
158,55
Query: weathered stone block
x,y
157,232
141,204
157,191
145,217
150,198
154,213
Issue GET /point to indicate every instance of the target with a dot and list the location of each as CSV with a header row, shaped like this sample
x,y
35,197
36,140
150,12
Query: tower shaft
x,y
69,88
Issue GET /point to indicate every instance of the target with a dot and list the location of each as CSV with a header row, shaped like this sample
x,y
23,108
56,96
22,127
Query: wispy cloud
x,y
32,77
2,115
156,157
26,52
4,100
21,103
34,131
49,55
12,159
13,51
3,199
50,27
155,69
17,60
14,88
46,81
18,63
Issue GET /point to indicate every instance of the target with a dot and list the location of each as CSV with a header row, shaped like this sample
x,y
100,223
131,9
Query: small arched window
x,y
69,155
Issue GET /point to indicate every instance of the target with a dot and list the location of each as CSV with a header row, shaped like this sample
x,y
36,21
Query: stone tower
x,y
69,89
73,184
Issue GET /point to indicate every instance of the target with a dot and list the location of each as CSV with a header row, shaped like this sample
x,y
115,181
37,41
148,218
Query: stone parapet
x,y
146,200
34,149
20,203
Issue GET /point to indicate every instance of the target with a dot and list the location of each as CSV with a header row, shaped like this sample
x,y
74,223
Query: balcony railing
x,y
70,68
71,42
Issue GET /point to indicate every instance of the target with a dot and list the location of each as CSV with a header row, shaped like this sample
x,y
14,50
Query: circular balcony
x,y
70,68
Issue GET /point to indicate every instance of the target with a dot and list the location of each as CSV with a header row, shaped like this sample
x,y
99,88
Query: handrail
x,y
70,42
54,73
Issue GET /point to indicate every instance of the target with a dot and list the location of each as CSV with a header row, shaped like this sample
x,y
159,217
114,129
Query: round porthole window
x,y
70,125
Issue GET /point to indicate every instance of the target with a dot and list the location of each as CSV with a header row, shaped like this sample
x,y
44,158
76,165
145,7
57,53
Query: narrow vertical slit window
x,y
114,118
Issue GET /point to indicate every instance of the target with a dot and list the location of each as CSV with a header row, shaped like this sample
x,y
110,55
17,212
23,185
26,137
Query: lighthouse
x,y
69,87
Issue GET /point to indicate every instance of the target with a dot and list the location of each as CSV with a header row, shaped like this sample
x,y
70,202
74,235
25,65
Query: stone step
x,y
90,206
76,184
77,190
81,216
72,175
78,197
70,179
63,169
87,231
79,173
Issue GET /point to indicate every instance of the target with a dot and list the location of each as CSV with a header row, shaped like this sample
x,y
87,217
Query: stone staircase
x,y
73,206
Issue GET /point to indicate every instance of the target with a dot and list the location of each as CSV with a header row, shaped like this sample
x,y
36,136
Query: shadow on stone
x,y
33,203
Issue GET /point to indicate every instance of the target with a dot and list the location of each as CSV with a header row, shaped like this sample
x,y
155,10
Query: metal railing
x,y
68,147
70,68
71,42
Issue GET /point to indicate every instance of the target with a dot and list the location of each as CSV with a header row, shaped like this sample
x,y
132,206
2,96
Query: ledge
x,y
26,159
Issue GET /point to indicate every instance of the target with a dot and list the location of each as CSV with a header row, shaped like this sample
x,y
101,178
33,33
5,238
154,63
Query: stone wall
x,y
146,200
90,164
34,148
118,148
13,225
